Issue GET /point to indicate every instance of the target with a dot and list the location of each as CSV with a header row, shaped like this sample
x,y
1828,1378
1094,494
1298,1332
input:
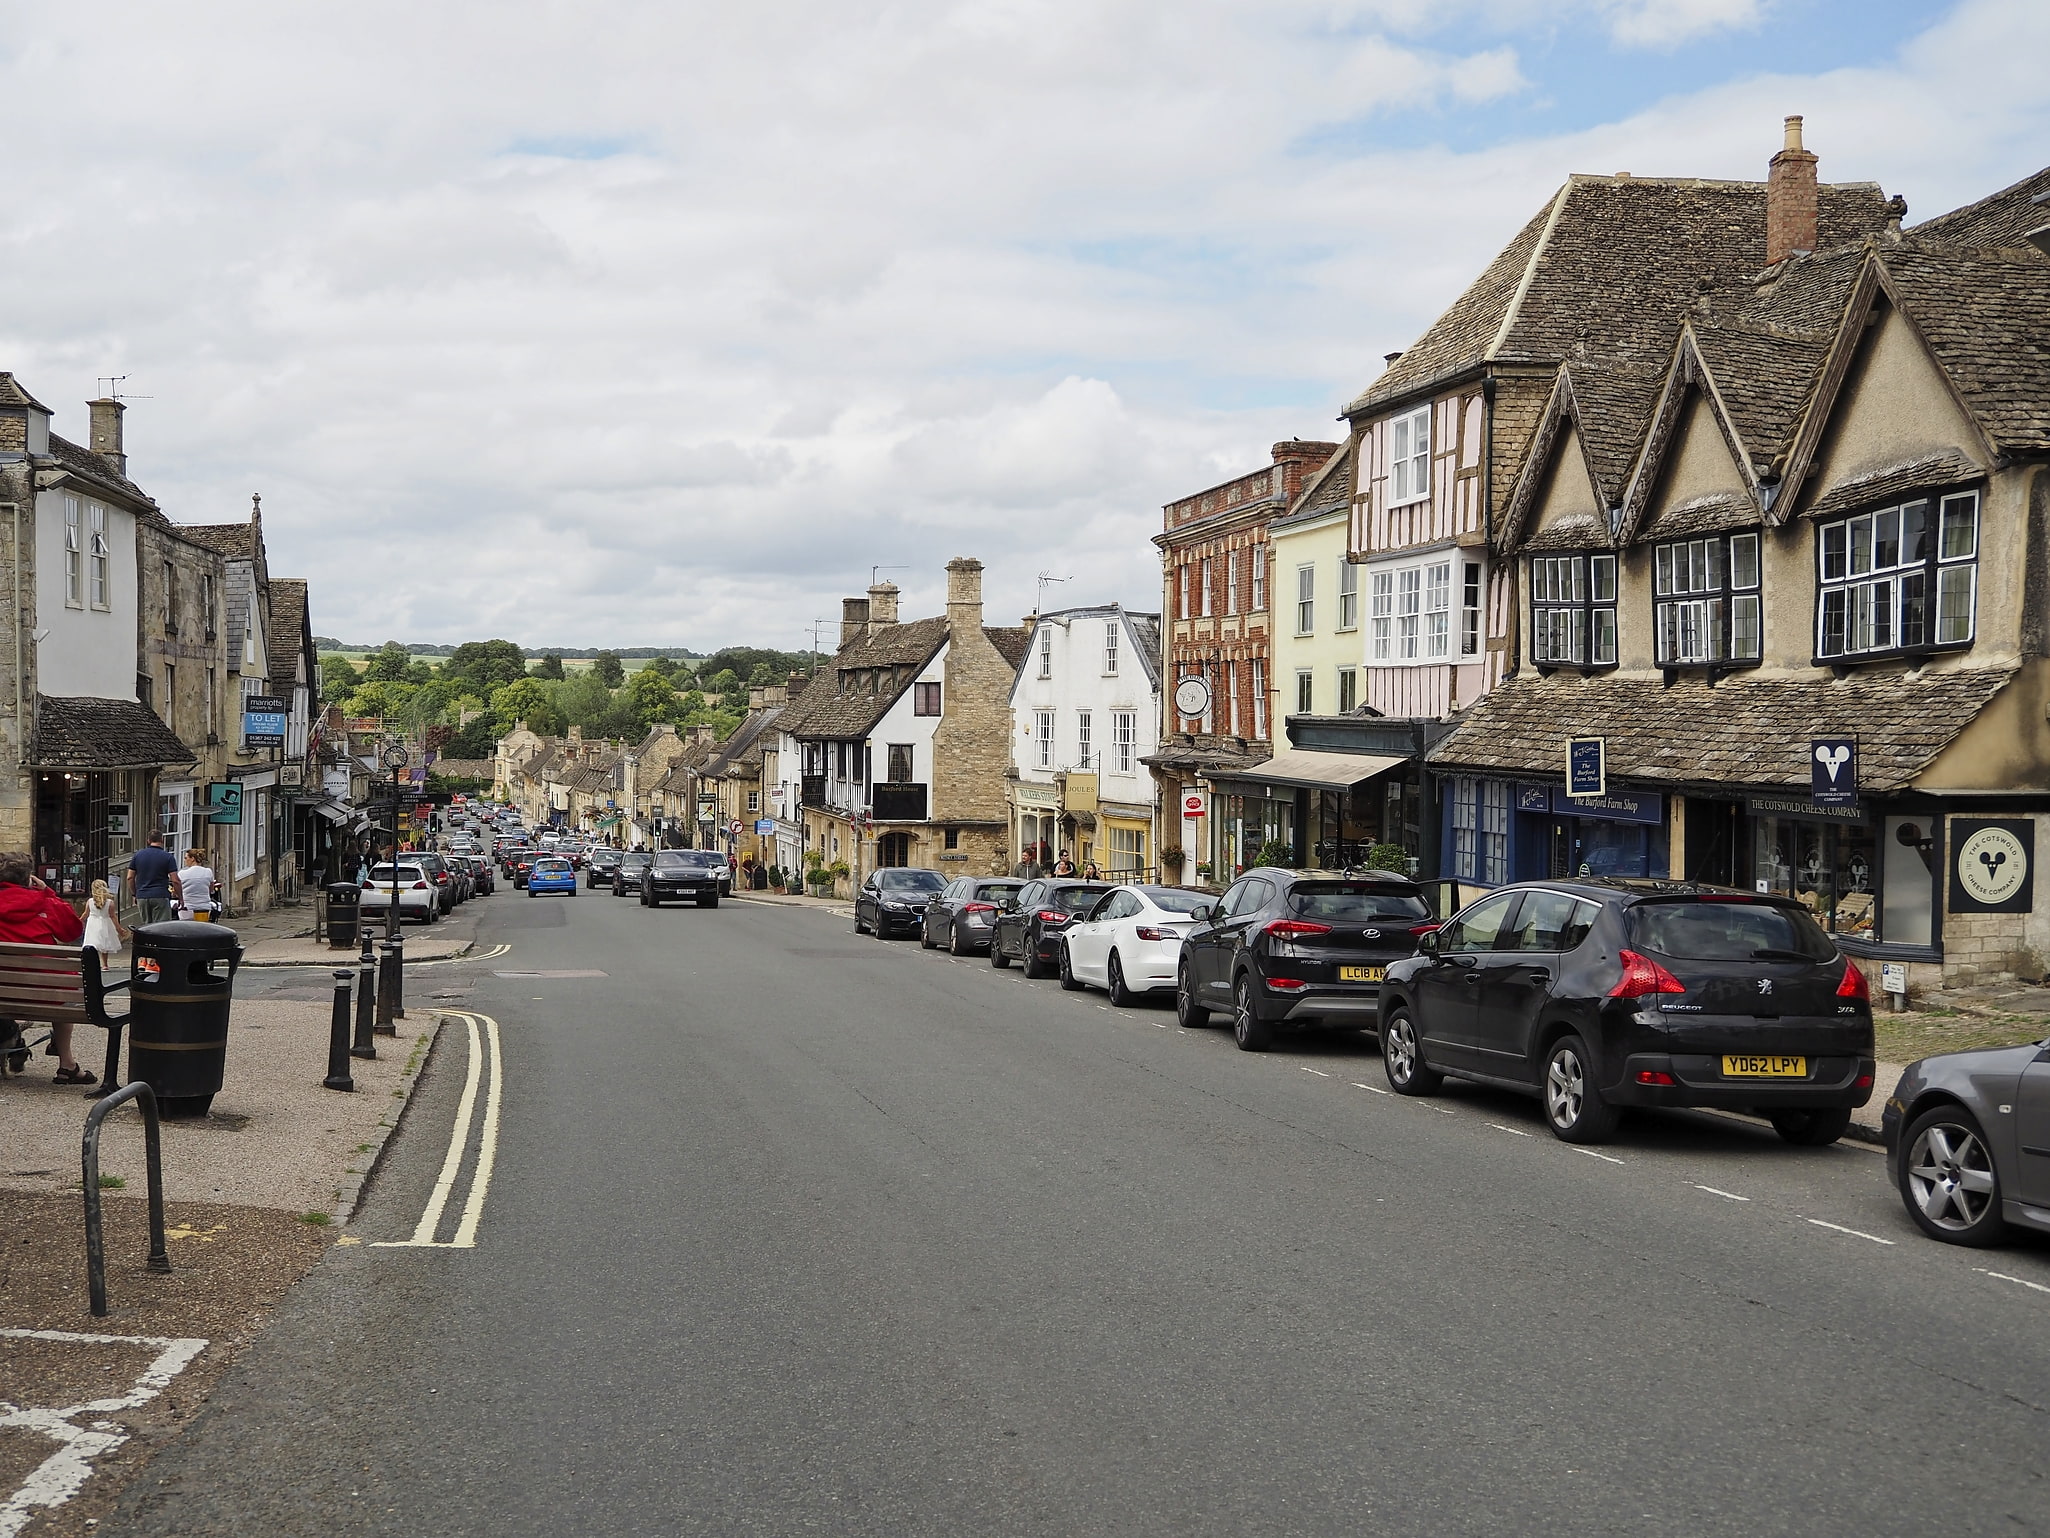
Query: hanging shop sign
x,y
1195,804
1192,695
1992,866
263,721
1833,771
1587,766
120,819
223,802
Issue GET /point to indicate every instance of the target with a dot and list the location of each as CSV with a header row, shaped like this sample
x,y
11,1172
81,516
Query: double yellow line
x,y
483,1031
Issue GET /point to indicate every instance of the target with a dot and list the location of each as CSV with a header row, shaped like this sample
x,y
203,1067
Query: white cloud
x,y
1668,23
666,323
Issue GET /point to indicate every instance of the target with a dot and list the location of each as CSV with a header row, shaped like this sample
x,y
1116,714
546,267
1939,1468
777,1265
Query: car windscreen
x,y
686,859
910,880
1733,929
1169,900
1077,899
996,891
636,861
1354,902
551,867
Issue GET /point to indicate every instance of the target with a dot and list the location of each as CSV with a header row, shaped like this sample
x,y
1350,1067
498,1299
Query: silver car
x,y
1968,1142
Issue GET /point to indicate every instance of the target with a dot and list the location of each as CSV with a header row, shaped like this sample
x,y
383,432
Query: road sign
x,y
734,827
765,825
1587,766
263,721
1833,771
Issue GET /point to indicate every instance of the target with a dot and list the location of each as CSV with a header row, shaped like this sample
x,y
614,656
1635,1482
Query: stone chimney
x,y
775,694
756,698
1791,200
964,594
105,439
853,619
882,606
576,739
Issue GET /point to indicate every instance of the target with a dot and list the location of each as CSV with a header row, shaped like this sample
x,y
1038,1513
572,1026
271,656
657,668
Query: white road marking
x,y
1854,1233
1441,1110
1370,1089
1512,1131
1593,1155
1726,1195
2002,1276
1104,1007
459,1140
487,1145
1320,1073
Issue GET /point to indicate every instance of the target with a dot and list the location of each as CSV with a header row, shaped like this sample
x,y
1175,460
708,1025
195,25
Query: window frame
x,y
1305,691
1083,747
1124,738
1936,508
74,552
1409,467
1306,598
1205,585
1111,630
99,558
1411,611
1579,604
1231,581
1042,737
1348,695
1719,597
1348,596
1256,556
1045,650
909,760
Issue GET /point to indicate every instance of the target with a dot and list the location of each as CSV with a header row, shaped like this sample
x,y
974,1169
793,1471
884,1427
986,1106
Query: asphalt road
x,y
793,1231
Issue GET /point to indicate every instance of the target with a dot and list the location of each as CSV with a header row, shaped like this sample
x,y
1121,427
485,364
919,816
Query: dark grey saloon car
x,y
1968,1142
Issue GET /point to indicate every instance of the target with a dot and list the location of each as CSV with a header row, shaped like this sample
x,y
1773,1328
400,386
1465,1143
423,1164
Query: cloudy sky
x,y
663,323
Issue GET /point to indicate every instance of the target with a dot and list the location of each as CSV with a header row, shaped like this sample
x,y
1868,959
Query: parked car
x,y
416,893
963,914
443,878
1292,948
1602,993
600,867
692,873
482,877
1029,926
894,899
1968,1142
627,871
552,873
1130,943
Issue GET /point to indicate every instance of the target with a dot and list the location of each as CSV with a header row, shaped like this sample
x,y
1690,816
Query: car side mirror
x,y
1204,913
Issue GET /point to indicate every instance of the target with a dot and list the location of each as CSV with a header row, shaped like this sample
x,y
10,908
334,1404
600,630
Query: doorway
x,y
893,849
1714,842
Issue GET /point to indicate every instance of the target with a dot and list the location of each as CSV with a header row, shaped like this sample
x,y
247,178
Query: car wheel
x,y
644,899
1948,1179
1188,1014
1402,1057
859,927
1066,968
1247,1028
997,958
954,941
1028,958
1574,1108
1811,1129
1121,997
925,940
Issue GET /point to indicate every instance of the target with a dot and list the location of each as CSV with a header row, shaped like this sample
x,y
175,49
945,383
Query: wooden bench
x,y
48,985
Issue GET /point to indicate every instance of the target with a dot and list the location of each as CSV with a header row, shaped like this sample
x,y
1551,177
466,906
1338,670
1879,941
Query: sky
x,y
671,323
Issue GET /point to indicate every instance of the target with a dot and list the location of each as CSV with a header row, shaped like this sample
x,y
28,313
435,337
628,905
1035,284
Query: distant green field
x,y
358,659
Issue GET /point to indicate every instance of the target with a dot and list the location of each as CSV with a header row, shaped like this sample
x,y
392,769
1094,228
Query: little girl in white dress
x,y
103,931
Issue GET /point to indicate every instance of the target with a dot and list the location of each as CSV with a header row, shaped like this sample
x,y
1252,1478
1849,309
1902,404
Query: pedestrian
x,y
1064,866
1091,873
196,887
103,928
150,872
31,914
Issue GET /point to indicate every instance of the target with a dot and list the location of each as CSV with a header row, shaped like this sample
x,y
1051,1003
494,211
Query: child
x,y
104,931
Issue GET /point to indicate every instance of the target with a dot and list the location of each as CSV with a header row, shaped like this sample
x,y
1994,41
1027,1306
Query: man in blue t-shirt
x,y
149,874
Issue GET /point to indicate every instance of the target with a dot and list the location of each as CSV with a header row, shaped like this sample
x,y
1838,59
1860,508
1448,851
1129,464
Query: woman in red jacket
x,y
32,914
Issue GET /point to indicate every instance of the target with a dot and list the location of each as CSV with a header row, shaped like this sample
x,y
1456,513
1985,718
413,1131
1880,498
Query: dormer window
x,y
1706,608
1573,610
1898,579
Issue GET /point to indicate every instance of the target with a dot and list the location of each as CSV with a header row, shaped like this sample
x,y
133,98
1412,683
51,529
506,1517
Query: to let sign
x,y
1587,766
1833,771
263,721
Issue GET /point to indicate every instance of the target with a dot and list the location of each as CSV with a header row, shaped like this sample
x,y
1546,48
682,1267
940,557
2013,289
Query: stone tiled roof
x,y
85,465
850,708
1204,753
12,394
1604,272
742,752
1581,531
1011,642
287,632
1986,315
1747,730
1711,514
2000,220
73,733
1146,628
236,541
466,768
1930,472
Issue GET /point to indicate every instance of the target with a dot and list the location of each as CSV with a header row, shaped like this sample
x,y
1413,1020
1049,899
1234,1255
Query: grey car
x,y
1968,1142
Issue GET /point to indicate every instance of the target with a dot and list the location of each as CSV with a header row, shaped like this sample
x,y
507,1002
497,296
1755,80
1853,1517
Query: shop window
x,y
1830,867
1573,610
1480,830
1899,579
1707,600
1127,850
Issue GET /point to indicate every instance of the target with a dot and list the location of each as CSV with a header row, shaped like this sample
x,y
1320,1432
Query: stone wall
x,y
971,746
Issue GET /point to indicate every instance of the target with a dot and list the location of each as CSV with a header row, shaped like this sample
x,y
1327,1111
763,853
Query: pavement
x,y
283,937
746,1224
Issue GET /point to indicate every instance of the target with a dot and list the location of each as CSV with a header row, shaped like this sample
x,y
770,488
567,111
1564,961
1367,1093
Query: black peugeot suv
x,y
1297,947
1602,993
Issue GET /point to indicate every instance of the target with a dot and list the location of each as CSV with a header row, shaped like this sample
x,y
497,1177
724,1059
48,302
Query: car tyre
x,y
1188,1014
1948,1180
1066,968
1811,1128
1574,1108
1402,1057
1121,997
1247,1028
997,958
925,939
859,927
1028,958
954,941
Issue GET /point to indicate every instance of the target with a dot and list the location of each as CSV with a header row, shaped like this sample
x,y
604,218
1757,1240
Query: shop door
x,y
1715,843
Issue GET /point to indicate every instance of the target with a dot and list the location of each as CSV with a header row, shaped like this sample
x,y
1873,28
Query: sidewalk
x,y
283,937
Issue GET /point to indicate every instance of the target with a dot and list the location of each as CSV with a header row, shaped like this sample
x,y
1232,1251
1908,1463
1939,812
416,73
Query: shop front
x,y
1326,807
93,780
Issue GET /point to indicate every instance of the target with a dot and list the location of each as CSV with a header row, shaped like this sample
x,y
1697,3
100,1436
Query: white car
x,y
417,896
1130,942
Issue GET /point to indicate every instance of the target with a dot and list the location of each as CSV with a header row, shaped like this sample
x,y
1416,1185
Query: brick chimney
x,y
853,619
1299,460
1790,199
105,439
964,595
882,606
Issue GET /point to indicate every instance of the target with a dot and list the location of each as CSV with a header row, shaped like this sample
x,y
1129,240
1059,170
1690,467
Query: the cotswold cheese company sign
x,y
1992,865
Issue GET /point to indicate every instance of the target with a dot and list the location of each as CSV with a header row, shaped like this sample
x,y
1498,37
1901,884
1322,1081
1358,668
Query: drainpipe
x,y
20,722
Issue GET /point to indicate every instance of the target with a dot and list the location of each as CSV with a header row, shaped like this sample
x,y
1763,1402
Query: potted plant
x,y
1203,869
1276,853
1387,857
1171,857
839,871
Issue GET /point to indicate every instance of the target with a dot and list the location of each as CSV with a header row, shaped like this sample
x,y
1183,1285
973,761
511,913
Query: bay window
x,y
1706,603
1573,610
1899,578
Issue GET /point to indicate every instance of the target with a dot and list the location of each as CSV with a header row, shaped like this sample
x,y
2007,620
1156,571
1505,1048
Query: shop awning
x,y
1317,771
332,812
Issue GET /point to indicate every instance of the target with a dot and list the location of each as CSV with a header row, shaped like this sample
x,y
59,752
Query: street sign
x,y
223,802
120,819
1195,804
734,827
1587,766
263,721
1833,771
765,825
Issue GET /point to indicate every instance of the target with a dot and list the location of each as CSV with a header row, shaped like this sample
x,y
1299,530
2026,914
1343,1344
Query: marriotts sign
x,y
1992,866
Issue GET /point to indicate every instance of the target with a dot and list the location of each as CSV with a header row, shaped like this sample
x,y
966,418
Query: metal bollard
x,y
366,1003
387,990
338,1076
398,974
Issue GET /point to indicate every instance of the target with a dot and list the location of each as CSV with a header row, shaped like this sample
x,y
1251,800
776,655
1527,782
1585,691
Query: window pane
x,y
1886,538
1833,552
1861,546
1744,638
1953,599
1960,528
1712,569
1915,609
1833,623
1604,635
1744,561
1915,533
1663,558
1604,584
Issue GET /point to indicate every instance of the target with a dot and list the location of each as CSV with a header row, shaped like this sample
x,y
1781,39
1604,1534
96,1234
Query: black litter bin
x,y
344,913
184,979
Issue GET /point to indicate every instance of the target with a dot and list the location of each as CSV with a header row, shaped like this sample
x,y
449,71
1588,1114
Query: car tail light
x,y
1864,1081
978,907
1287,927
1290,983
1642,975
1854,985
1052,916
1148,932
1655,1076
419,886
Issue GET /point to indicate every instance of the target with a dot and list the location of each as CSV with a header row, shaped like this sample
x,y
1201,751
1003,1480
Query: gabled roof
x,y
86,733
849,708
743,750
1011,641
85,465
12,394
287,633
2004,219
236,541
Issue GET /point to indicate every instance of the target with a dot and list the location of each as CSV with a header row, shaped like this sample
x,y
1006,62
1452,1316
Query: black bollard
x,y
366,1002
398,974
338,1076
387,989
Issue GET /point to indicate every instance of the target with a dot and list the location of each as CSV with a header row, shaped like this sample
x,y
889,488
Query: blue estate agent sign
x,y
1833,771
1587,766
263,721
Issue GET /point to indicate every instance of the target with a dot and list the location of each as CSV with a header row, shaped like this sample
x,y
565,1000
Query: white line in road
x,y
1593,1155
1726,1195
1854,1233
459,1140
1370,1089
1512,1131
1320,1073
487,1146
2002,1276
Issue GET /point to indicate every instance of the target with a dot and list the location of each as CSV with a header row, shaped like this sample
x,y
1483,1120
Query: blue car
x,y
551,873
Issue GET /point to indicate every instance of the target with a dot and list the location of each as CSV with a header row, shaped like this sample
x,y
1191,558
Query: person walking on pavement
x,y
103,928
195,887
31,914
149,879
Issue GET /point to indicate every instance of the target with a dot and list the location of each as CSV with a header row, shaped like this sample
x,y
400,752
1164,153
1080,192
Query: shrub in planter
x,y
1274,852
1387,857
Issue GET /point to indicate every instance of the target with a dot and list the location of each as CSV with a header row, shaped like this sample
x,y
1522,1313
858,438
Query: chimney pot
x,y
105,439
1793,141
1792,200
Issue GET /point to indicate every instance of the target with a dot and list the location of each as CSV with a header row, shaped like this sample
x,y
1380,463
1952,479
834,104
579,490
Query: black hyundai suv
x,y
1297,947
1610,992
1030,921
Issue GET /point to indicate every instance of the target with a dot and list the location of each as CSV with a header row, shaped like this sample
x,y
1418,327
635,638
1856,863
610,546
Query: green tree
x,y
338,680
486,665
610,670
726,681
528,700
659,665
762,676
477,740
388,664
420,673
387,698
583,701
650,698
549,666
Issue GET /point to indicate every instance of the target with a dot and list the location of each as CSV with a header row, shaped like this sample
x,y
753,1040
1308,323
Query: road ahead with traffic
x,y
791,1230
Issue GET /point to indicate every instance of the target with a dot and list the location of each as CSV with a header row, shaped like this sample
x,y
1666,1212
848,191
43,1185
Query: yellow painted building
x,y
1319,654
